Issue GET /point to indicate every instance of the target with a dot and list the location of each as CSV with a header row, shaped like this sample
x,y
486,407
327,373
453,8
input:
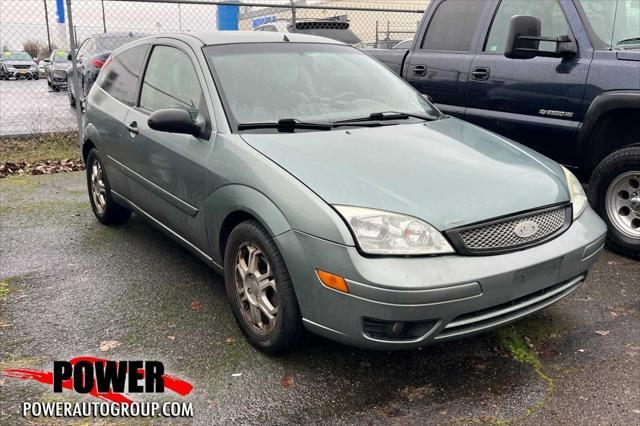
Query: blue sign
x,y
263,20
60,11
228,17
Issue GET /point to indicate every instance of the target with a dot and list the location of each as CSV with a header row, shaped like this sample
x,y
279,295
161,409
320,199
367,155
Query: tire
x,y
614,192
55,88
72,100
107,211
283,332
48,82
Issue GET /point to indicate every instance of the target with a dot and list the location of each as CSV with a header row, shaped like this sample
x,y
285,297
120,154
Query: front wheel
x,y
260,290
614,192
104,208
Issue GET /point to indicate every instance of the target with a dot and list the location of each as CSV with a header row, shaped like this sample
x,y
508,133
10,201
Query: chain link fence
x,y
36,37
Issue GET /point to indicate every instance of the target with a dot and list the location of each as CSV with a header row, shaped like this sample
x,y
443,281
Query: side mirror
x,y
175,120
523,40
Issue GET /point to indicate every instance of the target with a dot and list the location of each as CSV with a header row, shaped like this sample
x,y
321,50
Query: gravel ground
x,y
69,283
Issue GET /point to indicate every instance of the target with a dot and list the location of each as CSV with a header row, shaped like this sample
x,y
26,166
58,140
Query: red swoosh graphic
x,y
170,382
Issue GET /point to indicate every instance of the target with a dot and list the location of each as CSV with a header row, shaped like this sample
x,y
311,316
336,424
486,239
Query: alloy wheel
x,y
98,189
256,289
623,203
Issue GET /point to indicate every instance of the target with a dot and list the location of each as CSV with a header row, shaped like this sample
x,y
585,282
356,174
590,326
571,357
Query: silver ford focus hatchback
x,y
334,196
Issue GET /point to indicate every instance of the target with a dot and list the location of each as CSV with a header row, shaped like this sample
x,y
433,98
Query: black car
x,y
92,55
55,69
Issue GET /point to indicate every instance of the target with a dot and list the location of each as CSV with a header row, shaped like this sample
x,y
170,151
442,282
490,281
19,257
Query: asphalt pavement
x,y
69,283
29,107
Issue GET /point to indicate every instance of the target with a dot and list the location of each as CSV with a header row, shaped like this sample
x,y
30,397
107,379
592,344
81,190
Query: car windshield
x,y
267,82
615,22
17,56
60,56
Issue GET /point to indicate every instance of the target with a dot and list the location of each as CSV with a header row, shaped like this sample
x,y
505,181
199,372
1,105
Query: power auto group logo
x,y
112,383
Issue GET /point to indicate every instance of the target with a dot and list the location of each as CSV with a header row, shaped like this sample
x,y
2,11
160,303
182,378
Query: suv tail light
x,y
97,63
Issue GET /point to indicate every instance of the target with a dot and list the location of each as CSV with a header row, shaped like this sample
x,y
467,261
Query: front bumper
x,y
439,298
20,73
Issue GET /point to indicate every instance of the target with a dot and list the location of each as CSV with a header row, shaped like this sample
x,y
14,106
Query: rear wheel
x,y
260,290
614,192
104,208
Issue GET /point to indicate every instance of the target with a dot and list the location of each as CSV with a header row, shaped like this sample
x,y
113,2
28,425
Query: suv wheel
x,y
72,100
260,290
614,192
102,204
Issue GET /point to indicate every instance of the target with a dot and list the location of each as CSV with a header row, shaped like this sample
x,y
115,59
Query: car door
x,y
107,109
440,63
169,170
535,101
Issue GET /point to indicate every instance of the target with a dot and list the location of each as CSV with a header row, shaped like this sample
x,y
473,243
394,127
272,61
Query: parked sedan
x,y
55,68
18,65
366,216
92,54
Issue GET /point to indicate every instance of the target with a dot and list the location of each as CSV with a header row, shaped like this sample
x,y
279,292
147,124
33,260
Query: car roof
x,y
232,37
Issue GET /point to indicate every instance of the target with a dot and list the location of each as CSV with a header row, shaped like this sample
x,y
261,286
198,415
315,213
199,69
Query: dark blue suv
x,y
560,76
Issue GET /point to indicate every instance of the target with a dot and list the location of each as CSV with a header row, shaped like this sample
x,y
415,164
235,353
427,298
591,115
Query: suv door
x,y
107,108
168,170
536,101
439,64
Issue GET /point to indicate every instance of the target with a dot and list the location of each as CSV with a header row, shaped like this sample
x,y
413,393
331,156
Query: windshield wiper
x,y
285,125
632,40
384,116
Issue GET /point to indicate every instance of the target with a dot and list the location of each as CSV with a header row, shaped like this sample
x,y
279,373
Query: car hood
x,y
61,65
447,172
12,63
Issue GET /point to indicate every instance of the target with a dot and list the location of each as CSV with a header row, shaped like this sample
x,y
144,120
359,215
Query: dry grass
x,y
52,147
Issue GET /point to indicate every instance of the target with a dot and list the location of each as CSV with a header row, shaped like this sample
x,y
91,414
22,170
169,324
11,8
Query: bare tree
x,y
32,47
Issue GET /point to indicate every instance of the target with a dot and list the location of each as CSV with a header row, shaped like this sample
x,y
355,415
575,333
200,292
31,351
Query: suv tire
x,y
106,210
256,287
614,193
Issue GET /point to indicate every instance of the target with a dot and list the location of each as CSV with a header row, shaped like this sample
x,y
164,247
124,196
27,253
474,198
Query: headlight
x,y
381,232
578,197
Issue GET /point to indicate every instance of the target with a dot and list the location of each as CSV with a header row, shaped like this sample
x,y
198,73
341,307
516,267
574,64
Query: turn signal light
x,y
335,282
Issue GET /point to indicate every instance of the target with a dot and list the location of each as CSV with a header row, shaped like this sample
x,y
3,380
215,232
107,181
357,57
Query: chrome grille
x,y
21,67
512,232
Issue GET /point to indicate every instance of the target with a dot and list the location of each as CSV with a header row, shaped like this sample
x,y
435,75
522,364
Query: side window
x,y
120,76
453,25
554,23
174,86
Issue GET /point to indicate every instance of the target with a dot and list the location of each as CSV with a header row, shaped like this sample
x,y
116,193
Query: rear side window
x,y
121,75
453,25
170,82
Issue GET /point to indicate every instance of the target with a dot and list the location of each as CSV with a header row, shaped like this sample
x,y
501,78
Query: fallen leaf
x,y
478,363
107,345
581,350
236,375
412,392
230,341
388,411
171,337
603,332
287,380
196,305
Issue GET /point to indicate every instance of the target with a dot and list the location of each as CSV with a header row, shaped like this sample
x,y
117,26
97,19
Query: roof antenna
x,y
285,38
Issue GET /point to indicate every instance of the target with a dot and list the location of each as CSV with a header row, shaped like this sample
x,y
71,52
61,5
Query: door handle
x,y
420,70
480,73
132,127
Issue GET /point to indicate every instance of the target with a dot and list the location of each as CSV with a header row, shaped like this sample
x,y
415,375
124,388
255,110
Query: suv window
x,y
120,76
551,16
174,86
453,25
